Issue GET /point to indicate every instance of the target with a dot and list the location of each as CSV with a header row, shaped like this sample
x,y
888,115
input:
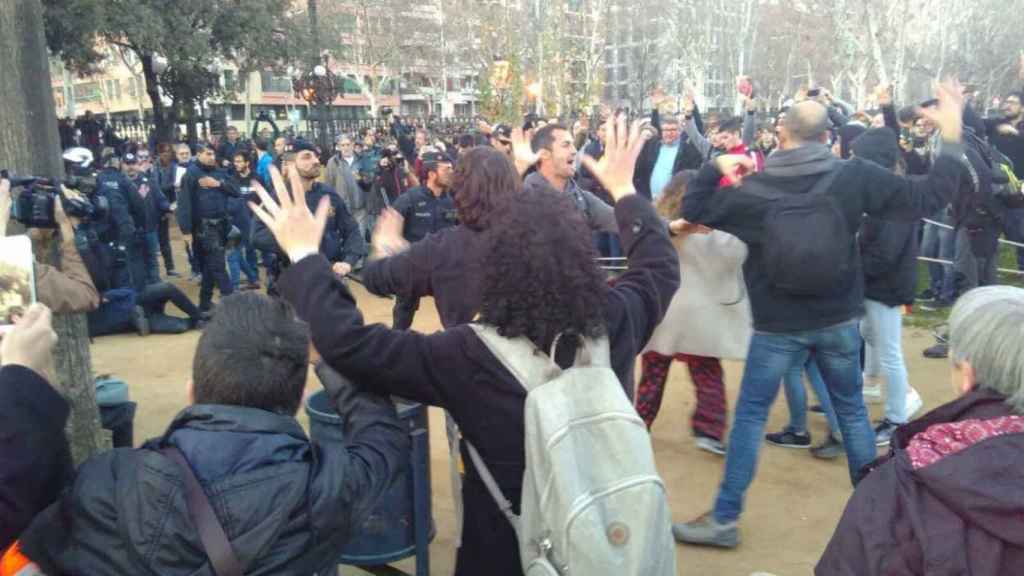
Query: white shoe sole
x,y
914,403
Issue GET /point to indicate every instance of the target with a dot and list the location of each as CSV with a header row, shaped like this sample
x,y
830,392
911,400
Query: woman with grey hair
x,y
949,496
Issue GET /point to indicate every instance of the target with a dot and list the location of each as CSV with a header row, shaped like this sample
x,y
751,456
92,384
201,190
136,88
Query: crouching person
x,y
285,505
948,497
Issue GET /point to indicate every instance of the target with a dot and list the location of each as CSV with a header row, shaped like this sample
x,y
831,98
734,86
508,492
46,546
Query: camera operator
x,y
65,289
203,211
423,211
391,180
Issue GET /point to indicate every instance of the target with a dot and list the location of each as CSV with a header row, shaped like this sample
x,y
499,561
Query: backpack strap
x,y
211,533
519,356
492,486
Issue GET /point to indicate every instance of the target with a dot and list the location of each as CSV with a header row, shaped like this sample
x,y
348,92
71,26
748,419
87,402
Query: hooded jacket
x,y
860,187
946,501
286,505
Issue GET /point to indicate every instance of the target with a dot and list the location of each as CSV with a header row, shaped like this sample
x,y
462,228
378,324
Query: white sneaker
x,y
914,403
872,389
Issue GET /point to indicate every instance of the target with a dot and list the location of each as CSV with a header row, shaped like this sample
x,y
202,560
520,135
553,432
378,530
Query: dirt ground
x,y
791,508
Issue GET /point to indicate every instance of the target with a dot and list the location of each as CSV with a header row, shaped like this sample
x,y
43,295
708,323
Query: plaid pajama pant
x,y
709,416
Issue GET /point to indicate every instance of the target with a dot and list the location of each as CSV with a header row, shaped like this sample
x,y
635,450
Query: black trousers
x,y
405,310
164,231
209,252
154,299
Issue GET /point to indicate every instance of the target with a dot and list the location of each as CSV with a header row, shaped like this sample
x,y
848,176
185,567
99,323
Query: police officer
x,y
148,206
424,210
117,232
342,244
203,212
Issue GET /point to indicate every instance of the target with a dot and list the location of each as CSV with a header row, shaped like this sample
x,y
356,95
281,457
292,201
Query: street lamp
x,y
318,86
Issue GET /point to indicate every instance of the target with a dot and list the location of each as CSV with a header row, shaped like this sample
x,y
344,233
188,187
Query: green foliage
x,y
193,35
503,104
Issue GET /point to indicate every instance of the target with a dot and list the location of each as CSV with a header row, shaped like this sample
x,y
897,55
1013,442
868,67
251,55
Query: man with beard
x,y
342,244
424,210
203,211
553,153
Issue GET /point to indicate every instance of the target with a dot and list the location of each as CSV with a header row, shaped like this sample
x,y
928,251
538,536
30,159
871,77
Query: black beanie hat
x,y
879,145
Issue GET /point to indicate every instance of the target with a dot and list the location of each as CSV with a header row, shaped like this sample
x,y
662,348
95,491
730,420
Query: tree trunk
x,y
163,125
30,144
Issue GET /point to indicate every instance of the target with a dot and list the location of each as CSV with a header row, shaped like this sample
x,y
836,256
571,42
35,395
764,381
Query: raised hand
x,y
297,230
522,152
948,114
621,149
30,343
387,239
734,166
884,95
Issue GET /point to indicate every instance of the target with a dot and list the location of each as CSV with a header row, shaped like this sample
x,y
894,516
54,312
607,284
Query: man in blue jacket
x,y
203,212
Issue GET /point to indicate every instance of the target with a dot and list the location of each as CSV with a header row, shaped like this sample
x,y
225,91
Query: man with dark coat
x,y
203,211
342,243
686,156
34,458
286,505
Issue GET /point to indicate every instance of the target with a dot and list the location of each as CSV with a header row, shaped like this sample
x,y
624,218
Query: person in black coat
x,y
203,211
688,157
286,505
539,280
342,242
34,459
889,255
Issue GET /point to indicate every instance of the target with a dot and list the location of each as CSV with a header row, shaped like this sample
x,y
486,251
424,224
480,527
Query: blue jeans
x,y
796,396
940,243
240,261
1013,226
882,329
771,356
152,257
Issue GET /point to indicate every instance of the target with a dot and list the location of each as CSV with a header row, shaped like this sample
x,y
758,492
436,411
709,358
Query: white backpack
x,y
592,501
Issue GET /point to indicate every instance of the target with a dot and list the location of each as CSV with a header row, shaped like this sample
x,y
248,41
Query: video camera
x,y
35,205
393,157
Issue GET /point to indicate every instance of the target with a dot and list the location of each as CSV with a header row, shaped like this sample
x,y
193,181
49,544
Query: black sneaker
x,y
884,431
789,438
940,350
926,295
830,449
817,409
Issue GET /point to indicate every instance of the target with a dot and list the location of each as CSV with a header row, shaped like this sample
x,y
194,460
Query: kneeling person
x,y
286,505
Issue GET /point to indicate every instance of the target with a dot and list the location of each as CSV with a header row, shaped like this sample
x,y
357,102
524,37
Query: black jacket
x,y
197,203
287,505
34,458
445,265
688,158
958,515
119,226
424,213
861,188
889,253
342,240
453,369
154,203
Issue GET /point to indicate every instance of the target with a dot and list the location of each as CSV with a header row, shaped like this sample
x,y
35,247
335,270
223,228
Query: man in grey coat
x,y
341,177
553,154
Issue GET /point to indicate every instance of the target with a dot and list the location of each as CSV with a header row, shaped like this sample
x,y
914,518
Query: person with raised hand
x,y
799,219
538,280
34,457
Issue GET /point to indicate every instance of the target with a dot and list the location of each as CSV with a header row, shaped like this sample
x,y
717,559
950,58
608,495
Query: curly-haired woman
x,y
708,319
539,280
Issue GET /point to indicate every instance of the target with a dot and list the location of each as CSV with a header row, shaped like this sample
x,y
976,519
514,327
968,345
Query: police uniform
x,y
342,240
424,214
117,232
203,213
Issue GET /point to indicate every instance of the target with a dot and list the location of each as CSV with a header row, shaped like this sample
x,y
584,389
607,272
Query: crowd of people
x,y
790,243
